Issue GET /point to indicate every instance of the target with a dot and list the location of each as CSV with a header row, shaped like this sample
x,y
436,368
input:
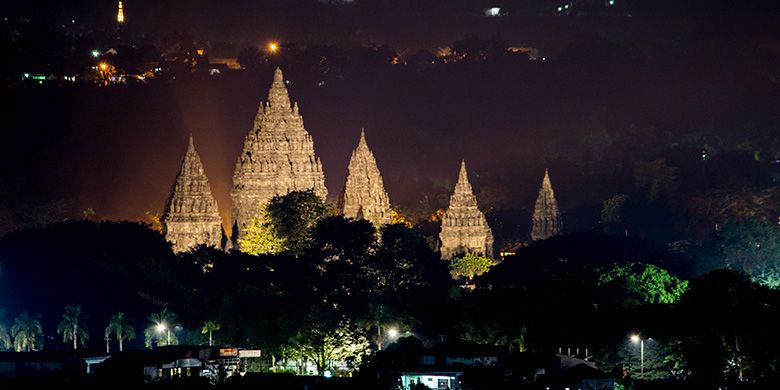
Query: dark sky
x,y
678,69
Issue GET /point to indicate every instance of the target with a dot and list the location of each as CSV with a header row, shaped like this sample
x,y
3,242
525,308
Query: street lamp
x,y
161,327
392,333
637,339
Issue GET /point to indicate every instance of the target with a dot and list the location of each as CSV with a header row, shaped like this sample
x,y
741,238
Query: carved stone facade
x,y
278,157
364,194
547,217
191,215
463,226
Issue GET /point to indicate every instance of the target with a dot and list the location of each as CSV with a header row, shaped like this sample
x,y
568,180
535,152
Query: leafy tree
x,y
121,329
27,332
5,337
326,336
727,336
72,326
657,177
613,212
636,283
161,329
293,215
469,265
404,261
754,248
397,217
208,328
260,239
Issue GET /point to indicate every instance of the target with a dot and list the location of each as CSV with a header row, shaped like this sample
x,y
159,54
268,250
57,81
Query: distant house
x,y
438,367
463,365
175,361
45,364
224,63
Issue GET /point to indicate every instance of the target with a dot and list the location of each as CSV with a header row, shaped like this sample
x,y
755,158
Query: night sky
x,y
668,68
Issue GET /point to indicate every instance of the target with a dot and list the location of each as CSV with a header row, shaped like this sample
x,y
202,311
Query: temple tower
x,y
364,194
547,217
278,157
191,217
120,13
463,226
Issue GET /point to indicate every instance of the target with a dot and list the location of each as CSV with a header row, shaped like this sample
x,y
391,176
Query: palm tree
x,y
72,326
5,338
209,327
160,329
27,330
119,326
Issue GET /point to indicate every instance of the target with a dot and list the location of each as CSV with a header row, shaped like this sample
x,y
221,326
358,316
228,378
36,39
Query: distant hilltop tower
x,y
364,194
278,157
547,217
120,13
191,217
464,227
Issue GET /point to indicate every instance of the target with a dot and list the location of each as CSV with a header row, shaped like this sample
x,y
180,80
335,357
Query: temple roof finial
x,y
278,98
362,142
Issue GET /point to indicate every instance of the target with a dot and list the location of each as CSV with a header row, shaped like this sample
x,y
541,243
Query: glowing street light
x,y
392,333
104,66
389,335
273,47
95,53
161,327
635,338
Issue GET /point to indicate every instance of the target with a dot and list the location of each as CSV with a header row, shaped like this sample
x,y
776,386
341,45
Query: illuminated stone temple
x,y
547,217
278,157
463,226
191,217
364,194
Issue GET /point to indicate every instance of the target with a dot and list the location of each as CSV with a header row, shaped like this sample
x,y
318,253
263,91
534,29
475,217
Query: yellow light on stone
x,y
120,14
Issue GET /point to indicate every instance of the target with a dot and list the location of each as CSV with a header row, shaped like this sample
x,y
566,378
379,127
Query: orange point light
x,y
103,66
273,47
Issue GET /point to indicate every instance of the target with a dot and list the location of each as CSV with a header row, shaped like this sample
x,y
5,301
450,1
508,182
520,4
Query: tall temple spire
x,y
547,217
278,97
463,179
278,157
463,226
120,13
364,195
191,216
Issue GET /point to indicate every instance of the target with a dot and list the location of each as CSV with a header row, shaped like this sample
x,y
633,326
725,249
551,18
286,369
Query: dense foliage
x,y
334,298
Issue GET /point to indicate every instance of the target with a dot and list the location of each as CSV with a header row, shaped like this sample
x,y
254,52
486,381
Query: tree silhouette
x,y
120,327
72,326
27,331
160,329
209,327
5,337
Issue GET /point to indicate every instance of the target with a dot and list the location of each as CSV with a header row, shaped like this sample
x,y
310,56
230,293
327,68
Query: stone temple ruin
x,y
191,216
463,227
278,157
547,217
364,194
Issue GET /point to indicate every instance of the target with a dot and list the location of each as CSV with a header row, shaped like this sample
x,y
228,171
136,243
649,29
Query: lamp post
x,y
391,334
161,327
637,339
